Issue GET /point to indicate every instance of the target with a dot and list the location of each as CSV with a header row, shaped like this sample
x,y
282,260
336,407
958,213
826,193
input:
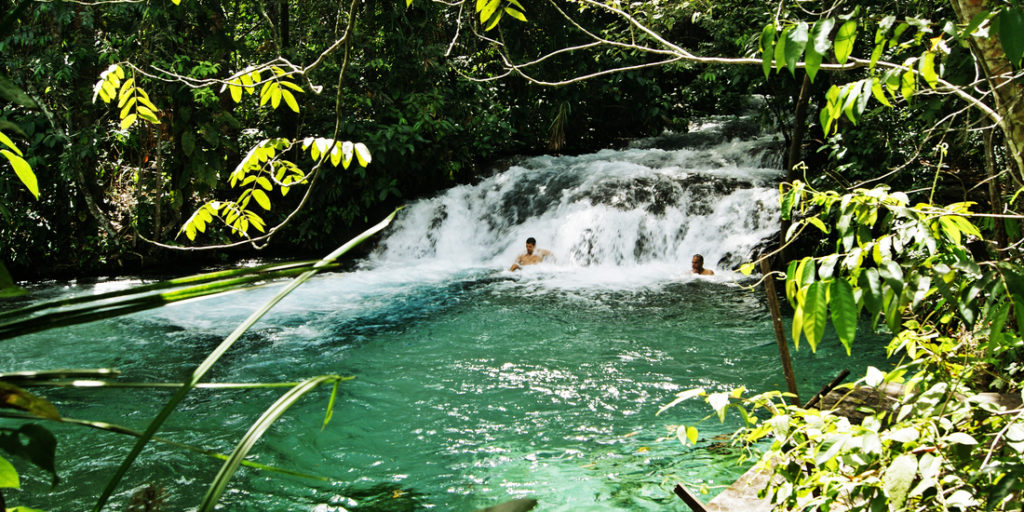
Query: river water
x,y
473,385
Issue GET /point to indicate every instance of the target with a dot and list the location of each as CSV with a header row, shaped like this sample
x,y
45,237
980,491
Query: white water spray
x,y
622,214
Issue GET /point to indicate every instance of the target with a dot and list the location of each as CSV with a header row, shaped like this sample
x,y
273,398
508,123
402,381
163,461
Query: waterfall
x,y
650,206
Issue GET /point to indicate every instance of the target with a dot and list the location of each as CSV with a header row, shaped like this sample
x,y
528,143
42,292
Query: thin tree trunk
x,y
1007,93
794,154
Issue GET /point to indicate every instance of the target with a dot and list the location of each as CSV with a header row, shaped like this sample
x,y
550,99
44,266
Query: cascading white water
x,y
645,210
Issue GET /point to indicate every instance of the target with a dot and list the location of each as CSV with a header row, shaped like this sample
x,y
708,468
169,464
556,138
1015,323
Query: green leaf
x,y
1011,32
798,323
897,479
844,312
8,475
34,443
767,48
1001,490
780,48
815,313
24,172
908,85
11,92
871,284
746,268
188,143
926,66
796,41
851,93
876,54
844,41
878,92
819,39
812,62
719,402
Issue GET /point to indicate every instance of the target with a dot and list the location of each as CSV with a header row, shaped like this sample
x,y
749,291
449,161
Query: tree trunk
x,y
999,72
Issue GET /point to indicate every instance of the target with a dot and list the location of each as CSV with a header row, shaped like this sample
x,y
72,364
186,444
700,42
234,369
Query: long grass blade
x,y
130,301
256,431
218,352
120,429
98,383
160,285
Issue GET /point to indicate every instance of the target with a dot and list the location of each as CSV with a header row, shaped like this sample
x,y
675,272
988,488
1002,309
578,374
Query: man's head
x,y
698,263
531,243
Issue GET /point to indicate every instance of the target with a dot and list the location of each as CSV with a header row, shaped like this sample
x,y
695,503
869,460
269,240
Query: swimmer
x,y
532,256
698,266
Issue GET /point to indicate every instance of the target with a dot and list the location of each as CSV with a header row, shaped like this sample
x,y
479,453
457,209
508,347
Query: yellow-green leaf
x,y
927,68
747,268
346,154
291,86
336,154
908,85
844,41
488,10
878,92
126,89
109,92
148,115
362,154
9,143
24,172
128,121
261,198
264,182
275,97
8,475
515,14
494,22
236,91
127,108
289,99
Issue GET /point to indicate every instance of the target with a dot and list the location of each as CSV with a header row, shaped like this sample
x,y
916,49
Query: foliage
x,y
20,166
956,326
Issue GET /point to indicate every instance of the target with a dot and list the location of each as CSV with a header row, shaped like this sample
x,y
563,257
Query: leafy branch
x,y
261,171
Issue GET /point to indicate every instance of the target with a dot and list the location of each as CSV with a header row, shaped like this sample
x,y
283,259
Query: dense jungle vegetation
x,y
904,126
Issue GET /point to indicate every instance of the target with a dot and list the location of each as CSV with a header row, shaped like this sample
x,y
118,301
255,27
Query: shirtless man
x,y
532,256
698,266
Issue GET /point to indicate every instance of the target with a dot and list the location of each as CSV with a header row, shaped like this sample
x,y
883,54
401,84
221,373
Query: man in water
x,y
532,256
698,266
